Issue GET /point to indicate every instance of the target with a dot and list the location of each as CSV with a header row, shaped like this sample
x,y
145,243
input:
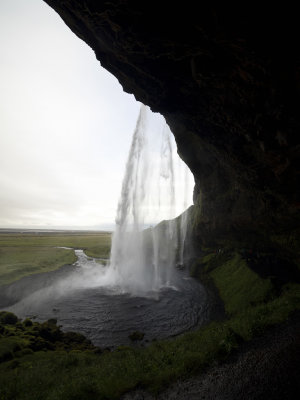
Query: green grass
x,y
17,262
254,320
98,244
61,375
26,254
238,286
251,303
77,375
251,306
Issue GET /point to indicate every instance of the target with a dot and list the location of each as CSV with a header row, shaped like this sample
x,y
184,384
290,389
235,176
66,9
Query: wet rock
x,y
136,336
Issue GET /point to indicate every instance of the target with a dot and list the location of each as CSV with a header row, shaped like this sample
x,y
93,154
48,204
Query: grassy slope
x,y
78,374
239,287
25,254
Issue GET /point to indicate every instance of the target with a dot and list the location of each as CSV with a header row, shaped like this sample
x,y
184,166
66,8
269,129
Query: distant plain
x,y
28,252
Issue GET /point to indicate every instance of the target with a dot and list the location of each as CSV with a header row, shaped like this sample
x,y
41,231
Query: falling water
x,y
142,256
184,215
108,304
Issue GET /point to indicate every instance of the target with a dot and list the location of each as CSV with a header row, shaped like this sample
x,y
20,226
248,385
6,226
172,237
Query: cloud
x,y
65,124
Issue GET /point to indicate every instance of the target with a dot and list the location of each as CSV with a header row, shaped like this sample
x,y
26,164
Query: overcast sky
x,y
65,124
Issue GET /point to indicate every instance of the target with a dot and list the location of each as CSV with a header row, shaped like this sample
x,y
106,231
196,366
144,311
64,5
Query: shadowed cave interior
x,y
227,82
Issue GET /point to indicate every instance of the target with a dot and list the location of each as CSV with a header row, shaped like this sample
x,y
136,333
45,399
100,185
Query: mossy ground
x,y
252,305
239,286
26,254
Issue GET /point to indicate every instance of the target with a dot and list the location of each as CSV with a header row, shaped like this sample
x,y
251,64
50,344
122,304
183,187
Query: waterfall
x,y
143,256
184,215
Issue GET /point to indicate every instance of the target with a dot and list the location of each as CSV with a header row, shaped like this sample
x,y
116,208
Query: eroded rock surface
x,y
227,81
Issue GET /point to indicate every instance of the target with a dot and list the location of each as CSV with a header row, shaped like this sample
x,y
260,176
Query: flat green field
x,y
24,254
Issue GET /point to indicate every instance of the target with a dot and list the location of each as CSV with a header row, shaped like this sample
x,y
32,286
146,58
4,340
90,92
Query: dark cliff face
x,y
227,82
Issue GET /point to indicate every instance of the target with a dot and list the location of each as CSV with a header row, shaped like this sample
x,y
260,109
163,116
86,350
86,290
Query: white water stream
x,y
156,187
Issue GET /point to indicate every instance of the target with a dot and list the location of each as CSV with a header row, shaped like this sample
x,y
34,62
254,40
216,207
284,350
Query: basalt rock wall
x,y
227,81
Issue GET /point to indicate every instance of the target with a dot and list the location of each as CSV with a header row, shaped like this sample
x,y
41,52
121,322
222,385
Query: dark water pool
x,y
82,302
